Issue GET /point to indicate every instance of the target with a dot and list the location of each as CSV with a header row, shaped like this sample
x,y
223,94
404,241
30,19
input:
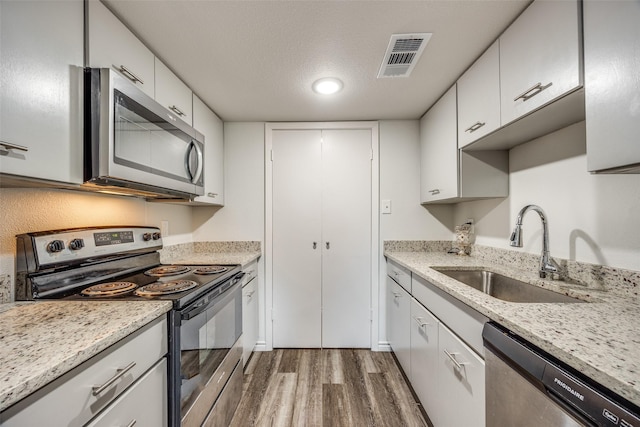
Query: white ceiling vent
x,y
402,54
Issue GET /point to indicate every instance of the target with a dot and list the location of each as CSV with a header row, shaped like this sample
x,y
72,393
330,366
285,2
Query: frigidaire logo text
x,y
568,388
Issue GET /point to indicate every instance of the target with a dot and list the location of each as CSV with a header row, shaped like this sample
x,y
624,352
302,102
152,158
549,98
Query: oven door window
x,y
205,340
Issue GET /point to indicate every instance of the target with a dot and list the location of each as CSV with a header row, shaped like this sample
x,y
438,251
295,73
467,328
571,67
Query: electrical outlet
x,y
472,222
386,206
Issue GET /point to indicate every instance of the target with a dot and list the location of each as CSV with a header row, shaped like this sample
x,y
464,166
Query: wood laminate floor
x,y
330,387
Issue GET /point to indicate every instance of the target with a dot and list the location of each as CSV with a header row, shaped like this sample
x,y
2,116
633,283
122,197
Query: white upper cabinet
x,y
479,98
206,122
439,150
41,89
449,175
612,85
110,44
540,57
172,93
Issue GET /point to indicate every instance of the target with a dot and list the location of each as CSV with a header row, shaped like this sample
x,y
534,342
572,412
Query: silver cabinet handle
x,y
129,74
434,191
531,92
250,294
132,423
212,194
119,373
315,245
177,110
396,295
328,245
420,323
5,147
474,127
459,365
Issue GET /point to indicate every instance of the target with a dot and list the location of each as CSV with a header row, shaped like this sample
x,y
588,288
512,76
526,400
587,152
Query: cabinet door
x,y
479,98
612,83
297,225
172,93
41,43
424,360
346,238
110,44
144,404
461,380
206,122
249,318
439,150
540,57
398,312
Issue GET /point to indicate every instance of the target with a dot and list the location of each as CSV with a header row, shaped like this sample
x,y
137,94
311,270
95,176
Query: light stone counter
x,y
40,341
600,339
207,253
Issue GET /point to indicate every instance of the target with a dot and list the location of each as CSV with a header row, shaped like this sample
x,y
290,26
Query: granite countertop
x,y
206,253
600,339
40,341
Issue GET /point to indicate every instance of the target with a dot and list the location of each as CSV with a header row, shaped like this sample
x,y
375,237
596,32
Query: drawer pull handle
x,y
132,423
5,147
212,194
459,365
129,74
119,373
434,191
531,92
396,294
177,110
474,127
250,294
420,322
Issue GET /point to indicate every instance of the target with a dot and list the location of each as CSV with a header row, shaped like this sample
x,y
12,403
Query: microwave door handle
x,y
199,157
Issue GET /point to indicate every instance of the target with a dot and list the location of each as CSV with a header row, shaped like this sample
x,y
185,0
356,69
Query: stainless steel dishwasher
x,y
526,387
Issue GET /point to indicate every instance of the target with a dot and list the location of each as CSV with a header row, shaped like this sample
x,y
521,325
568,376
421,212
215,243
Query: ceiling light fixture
x,y
327,86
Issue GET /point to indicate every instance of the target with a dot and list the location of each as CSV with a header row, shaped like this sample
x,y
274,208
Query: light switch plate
x,y
386,206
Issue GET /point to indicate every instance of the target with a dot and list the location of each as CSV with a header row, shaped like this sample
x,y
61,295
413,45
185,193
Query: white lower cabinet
x,y
105,386
249,310
144,404
424,359
398,315
460,383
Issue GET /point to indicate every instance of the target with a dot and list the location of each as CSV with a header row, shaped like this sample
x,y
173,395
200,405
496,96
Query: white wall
x,y
592,218
29,210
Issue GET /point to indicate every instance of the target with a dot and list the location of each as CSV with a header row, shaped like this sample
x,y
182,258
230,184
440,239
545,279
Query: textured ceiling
x,y
256,60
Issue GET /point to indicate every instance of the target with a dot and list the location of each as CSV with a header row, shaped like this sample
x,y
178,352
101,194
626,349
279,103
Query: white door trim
x,y
375,223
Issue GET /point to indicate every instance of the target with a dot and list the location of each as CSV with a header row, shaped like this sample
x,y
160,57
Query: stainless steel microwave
x,y
134,145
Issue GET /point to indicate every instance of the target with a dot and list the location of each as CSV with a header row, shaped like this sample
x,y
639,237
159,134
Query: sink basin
x,y
505,288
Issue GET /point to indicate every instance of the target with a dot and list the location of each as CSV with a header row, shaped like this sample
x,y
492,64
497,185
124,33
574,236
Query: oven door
x,y
207,347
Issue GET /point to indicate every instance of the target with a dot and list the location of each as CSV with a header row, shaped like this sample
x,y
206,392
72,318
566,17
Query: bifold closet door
x,y
346,234
321,238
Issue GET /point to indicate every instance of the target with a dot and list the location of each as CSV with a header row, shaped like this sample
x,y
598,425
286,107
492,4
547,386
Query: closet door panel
x,y
346,236
296,226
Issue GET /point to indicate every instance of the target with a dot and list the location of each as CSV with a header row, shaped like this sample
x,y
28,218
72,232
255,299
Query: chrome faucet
x,y
547,265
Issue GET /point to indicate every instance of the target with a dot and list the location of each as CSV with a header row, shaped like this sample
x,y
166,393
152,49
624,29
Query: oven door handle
x,y
220,300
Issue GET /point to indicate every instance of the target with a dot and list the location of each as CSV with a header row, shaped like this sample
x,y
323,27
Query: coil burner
x,y
109,289
211,269
164,288
167,270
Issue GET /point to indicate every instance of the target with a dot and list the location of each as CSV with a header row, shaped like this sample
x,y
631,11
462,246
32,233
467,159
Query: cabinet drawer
x,y
461,379
144,404
461,318
400,274
73,399
226,405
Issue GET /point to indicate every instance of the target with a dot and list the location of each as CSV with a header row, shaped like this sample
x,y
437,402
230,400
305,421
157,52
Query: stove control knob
x,y
55,246
76,244
156,236
146,237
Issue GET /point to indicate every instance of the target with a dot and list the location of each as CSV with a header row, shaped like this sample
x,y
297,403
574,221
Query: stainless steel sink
x,y
505,288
